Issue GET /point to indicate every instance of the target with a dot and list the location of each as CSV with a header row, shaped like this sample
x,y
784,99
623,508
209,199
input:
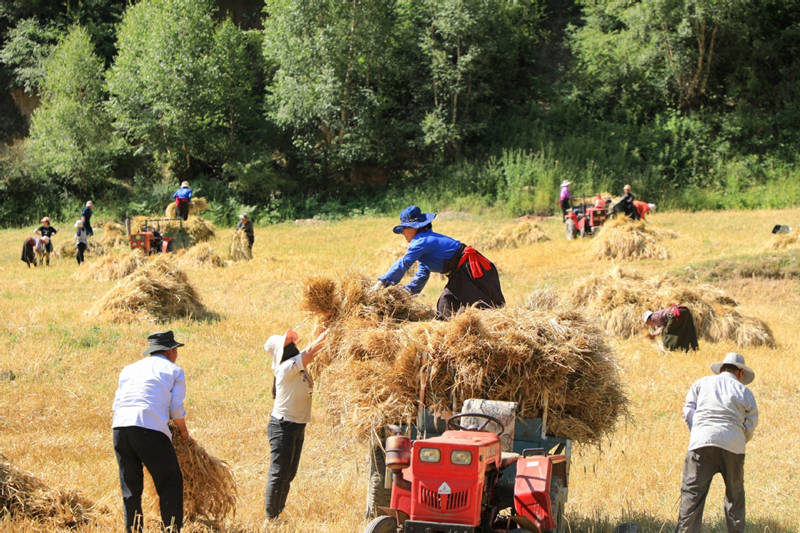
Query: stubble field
x,y
55,415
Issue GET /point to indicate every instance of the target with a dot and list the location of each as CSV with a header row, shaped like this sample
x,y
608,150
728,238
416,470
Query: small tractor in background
x,y
150,239
462,480
585,219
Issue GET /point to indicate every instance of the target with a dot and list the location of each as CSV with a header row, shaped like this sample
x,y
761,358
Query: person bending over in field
x,y
150,394
471,278
291,411
28,251
722,415
676,326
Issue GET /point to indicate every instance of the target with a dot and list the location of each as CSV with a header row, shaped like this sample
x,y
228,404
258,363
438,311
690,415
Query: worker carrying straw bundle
x,y
472,279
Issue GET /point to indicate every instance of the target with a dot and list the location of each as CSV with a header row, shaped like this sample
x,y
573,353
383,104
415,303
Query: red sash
x,y
477,263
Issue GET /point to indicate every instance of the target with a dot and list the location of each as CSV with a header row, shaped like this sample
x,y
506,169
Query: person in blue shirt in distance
x,y
472,279
183,197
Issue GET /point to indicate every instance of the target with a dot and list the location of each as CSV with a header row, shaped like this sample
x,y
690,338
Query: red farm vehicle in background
x,y
462,481
585,219
149,238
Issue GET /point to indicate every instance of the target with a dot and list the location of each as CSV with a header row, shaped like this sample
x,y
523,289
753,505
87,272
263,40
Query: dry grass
x,y
510,236
209,488
157,291
782,241
620,297
623,239
384,351
22,495
68,249
196,206
54,417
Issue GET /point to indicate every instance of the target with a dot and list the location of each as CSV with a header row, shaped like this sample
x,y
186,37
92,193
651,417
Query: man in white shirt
x,y
150,394
291,411
722,415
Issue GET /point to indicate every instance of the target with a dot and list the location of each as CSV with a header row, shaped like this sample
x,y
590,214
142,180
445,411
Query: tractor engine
x,y
445,484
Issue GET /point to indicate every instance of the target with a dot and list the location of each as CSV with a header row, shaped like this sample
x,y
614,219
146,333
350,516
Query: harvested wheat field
x,y
782,241
55,412
111,267
158,290
620,297
199,255
510,236
623,239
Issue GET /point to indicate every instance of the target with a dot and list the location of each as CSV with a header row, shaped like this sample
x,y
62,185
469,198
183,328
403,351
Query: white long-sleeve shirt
x,y
150,394
720,411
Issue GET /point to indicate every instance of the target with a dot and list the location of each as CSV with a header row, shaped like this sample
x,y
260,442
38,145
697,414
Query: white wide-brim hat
x,y
274,346
566,183
737,360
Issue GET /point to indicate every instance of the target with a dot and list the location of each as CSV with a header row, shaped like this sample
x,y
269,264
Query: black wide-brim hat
x,y
413,217
161,342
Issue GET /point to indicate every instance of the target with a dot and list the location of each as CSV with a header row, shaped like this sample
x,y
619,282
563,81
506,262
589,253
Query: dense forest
x,y
299,108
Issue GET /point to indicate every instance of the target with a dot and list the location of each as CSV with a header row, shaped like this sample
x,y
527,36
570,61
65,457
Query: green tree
x,y
70,140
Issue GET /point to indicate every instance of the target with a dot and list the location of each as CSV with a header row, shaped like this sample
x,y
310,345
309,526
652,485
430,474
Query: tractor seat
x,y
507,459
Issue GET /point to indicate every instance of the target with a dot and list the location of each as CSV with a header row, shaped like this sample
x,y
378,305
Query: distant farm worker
x,y
472,279
46,230
291,411
643,208
28,254
150,394
599,203
247,227
183,197
722,415
626,204
676,326
81,240
565,198
86,216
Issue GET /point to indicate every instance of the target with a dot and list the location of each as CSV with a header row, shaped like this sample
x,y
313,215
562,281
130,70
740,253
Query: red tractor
x,y
461,481
585,219
149,238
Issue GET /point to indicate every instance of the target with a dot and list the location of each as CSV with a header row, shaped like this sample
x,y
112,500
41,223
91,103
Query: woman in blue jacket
x,y
472,279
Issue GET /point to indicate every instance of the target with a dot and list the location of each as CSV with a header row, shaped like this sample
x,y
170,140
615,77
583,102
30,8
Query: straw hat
x,y
566,183
184,184
737,360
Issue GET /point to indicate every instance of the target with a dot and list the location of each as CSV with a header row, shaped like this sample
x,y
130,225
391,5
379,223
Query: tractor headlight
x,y
430,455
461,457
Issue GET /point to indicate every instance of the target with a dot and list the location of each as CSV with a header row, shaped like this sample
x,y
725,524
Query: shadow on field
x,y
643,523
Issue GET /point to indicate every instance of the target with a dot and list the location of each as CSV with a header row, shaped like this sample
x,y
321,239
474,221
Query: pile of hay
x,y
68,249
195,228
199,230
209,489
111,267
511,236
383,354
199,256
619,298
624,239
156,291
196,206
240,247
24,496
113,235
782,241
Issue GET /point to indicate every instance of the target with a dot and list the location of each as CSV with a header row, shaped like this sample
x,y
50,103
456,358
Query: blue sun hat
x,y
413,217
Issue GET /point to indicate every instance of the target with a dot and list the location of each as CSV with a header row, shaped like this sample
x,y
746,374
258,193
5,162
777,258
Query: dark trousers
x,y
285,444
699,468
463,290
135,446
183,209
81,248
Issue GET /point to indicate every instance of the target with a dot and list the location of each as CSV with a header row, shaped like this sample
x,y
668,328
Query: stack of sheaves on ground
x,y
384,355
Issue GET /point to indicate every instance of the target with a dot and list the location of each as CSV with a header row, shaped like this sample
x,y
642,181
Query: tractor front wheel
x,y
569,229
382,524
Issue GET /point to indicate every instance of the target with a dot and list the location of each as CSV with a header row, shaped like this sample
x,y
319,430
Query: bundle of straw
x,y
113,235
626,240
511,236
196,206
23,495
209,488
157,291
240,247
199,256
619,298
382,356
782,241
195,228
198,230
67,249
111,267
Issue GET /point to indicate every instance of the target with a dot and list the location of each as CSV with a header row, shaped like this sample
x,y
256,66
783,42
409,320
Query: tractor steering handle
x,y
452,424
